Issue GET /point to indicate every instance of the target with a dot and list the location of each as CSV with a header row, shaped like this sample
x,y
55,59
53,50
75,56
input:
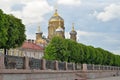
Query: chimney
x,y
32,41
29,40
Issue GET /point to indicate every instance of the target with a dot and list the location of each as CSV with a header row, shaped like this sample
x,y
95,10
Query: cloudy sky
x,y
97,22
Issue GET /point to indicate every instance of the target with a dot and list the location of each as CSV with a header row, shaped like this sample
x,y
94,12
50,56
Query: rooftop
x,y
30,45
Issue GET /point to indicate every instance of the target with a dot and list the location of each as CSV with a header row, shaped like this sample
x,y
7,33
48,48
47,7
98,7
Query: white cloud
x,y
111,40
110,12
69,2
106,37
6,5
81,34
32,11
95,13
99,39
30,36
84,33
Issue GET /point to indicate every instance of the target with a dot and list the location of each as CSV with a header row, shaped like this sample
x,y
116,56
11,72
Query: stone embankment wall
x,y
14,74
24,68
37,75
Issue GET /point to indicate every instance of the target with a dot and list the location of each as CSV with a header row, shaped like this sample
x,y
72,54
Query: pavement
x,y
108,78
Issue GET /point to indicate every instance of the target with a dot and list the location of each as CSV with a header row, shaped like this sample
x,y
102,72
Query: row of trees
x,y
12,31
71,51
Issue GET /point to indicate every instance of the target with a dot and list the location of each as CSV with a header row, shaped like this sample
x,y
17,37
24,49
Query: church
x,y
55,28
35,48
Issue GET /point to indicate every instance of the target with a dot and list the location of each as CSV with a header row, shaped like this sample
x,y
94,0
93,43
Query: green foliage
x,y
3,29
71,51
12,31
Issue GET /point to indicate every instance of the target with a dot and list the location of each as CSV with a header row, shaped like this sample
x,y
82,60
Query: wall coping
x,y
21,71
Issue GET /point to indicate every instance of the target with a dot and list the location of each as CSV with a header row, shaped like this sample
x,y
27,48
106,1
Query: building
x,y
29,49
73,33
54,23
40,40
56,27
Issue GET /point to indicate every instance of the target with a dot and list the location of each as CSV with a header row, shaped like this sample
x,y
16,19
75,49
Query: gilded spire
x,y
56,14
73,27
38,29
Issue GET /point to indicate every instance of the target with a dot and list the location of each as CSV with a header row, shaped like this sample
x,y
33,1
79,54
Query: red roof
x,y
30,45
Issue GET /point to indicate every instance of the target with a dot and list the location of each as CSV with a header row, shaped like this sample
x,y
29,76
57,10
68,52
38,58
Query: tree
x,y
71,51
3,29
12,31
55,50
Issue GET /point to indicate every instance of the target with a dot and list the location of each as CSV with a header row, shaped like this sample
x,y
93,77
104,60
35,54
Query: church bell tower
x,y
73,33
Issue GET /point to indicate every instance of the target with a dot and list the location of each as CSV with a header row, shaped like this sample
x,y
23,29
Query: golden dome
x,y
56,17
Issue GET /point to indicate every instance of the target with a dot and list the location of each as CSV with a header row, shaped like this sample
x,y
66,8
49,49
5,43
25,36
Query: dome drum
x,y
73,32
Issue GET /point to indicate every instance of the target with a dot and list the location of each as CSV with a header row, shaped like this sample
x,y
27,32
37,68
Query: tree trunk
x,y
5,51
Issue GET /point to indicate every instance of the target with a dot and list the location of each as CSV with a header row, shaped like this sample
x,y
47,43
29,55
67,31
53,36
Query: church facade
x,y
56,25
56,28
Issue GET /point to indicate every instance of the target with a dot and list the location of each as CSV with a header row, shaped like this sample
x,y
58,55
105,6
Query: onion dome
x,y
73,30
56,17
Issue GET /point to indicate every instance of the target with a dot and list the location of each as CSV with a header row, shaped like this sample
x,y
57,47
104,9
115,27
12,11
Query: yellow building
x,y
54,23
56,27
39,38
